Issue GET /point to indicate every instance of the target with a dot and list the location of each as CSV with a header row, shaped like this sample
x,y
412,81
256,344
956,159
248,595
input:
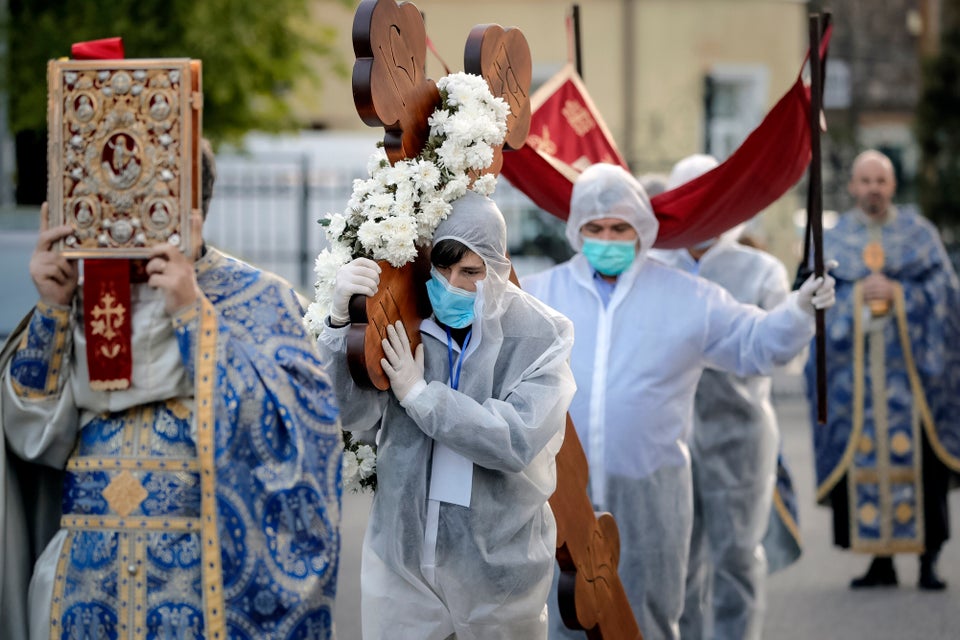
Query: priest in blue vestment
x,y
202,501
885,456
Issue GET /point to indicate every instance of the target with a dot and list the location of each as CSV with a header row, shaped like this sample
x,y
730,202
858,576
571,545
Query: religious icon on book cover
x,y
123,155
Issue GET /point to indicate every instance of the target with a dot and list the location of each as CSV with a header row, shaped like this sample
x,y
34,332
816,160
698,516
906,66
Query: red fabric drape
x,y
770,161
103,49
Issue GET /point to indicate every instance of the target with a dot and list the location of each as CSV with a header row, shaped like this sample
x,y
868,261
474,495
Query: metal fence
x,y
266,207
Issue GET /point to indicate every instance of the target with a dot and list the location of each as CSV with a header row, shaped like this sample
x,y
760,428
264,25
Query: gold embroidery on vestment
x,y
124,493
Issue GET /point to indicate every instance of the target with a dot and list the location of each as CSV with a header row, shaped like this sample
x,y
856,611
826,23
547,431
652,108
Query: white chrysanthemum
x,y
478,157
370,235
397,174
325,267
407,193
399,235
425,175
433,210
329,261
378,205
367,459
400,227
376,160
451,157
350,468
485,185
438,122
314,317
405,205
456,188
336,226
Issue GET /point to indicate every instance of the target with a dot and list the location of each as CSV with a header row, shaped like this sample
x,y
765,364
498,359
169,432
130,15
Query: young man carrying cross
x,y
460,539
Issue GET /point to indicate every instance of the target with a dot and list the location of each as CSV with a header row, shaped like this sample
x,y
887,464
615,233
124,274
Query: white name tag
x,y
451,478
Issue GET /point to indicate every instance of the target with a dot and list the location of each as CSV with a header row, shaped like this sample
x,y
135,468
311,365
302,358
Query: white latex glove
x,y
362,276
404,370
818,293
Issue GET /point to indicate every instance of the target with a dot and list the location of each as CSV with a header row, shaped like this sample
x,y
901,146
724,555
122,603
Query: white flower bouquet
x,y
359,467
393,214
395,211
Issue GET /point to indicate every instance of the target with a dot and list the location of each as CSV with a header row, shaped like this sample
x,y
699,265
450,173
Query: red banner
x,y
567,135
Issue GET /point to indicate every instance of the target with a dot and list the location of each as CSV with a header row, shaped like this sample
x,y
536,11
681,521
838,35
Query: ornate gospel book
x,y
123,156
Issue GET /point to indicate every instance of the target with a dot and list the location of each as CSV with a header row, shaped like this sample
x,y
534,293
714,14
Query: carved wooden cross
x,y
391,90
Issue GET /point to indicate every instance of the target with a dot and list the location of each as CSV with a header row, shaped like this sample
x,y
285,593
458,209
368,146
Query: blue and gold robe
x,y
872,438
204,501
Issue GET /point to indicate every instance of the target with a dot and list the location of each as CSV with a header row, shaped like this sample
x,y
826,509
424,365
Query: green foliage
x,y
938,133
252,52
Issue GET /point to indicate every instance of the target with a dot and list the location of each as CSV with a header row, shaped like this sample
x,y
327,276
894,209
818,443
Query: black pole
x,y
576,41
304,243
815,210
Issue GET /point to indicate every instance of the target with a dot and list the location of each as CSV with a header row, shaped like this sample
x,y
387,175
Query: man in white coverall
x,y
461,539
733,450
644,334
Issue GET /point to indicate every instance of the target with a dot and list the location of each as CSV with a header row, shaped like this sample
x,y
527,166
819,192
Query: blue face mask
x,y
452,306
609,257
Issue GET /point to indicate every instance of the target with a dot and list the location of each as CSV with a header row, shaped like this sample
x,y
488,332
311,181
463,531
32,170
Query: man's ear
x,y
196,232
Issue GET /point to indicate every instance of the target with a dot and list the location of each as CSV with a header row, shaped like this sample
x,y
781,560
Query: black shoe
x,y
880,574
929,580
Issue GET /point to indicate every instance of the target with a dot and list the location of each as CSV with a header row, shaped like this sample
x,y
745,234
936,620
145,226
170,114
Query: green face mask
x,y
609,257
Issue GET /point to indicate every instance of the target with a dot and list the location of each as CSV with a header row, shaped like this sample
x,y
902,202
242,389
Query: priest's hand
x,y
362,276
54,276
877,286
403,368
173,273
818,293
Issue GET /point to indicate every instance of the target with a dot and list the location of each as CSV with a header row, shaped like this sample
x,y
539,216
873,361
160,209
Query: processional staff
x,y
817,25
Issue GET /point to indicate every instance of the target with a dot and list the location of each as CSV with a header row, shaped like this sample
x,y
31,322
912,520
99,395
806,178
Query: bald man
x,y
892,439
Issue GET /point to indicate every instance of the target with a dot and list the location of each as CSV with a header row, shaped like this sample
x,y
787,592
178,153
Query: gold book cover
x,y
123,154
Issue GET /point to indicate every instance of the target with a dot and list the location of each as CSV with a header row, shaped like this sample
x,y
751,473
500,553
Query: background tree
x,y
938,133
252,52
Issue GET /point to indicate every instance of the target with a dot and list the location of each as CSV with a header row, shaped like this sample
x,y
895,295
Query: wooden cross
x,y
390,90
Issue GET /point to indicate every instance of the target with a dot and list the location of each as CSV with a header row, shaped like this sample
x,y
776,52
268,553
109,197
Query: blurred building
x,y
671,77
873,86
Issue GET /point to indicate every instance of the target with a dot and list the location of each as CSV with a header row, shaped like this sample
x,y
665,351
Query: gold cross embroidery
x,y
108,317
543,143
578,117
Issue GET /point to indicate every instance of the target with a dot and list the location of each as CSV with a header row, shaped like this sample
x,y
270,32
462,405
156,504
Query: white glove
x,y
818,293
404,370
362,275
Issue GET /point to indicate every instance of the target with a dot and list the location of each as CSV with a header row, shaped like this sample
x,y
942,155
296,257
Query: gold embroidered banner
x,y
107,323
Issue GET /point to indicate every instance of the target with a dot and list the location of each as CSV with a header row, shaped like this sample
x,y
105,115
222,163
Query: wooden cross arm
x,y
588,552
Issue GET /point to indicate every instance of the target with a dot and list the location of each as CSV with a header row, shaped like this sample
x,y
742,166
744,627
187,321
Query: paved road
x,y
812,599
809,600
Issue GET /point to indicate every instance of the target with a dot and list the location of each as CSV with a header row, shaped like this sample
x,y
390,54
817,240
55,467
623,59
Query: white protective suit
x,y
461,539
637,363
734,454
